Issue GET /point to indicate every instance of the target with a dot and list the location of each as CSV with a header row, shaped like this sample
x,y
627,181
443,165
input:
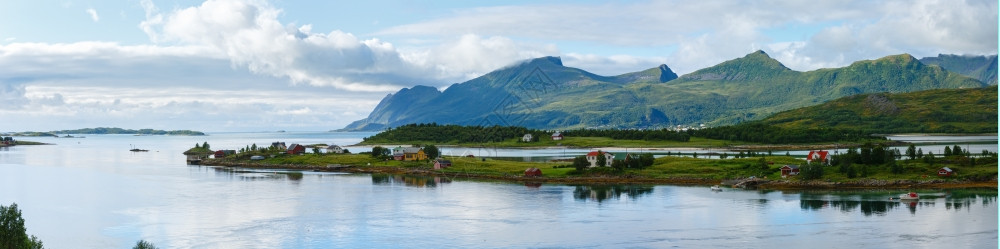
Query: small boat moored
x,y
716,188
909,196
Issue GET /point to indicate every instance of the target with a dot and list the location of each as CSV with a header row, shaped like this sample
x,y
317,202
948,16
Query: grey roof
x,y
791,166
411,150
949,169
442,161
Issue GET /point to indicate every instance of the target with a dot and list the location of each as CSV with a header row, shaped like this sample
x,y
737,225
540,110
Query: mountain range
x,y
543,94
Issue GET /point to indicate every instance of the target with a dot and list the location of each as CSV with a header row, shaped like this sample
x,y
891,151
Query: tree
x,y
602,160
142,244
723,156
316,150
581,163
12,231
253,147
811,171
920,153
380,152
432,151
618,165
694,155
197,145
911,152
647,159
957,151
851,172
947,151
895,168
205,145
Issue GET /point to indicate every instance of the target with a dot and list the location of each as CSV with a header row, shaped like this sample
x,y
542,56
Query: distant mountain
x,y
982,68
543,94
972,110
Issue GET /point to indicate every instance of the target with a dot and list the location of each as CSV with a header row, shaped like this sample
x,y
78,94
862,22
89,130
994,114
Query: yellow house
x,y
412,154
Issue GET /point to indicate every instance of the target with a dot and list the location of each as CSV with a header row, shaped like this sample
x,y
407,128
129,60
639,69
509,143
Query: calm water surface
x,y
93,193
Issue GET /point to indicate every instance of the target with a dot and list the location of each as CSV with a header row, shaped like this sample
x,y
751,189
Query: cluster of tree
x,y
12,231
640,162
648,135
104,130
451,133
7,139
761,133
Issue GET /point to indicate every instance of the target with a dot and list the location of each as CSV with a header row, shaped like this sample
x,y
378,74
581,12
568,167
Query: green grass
x,y
670,167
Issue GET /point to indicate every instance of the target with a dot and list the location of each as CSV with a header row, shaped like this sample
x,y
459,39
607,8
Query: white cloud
x,y
93,14
611,65
703,33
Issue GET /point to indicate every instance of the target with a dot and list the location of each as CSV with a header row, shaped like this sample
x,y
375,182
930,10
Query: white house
x,y
526,138
334,149
592,158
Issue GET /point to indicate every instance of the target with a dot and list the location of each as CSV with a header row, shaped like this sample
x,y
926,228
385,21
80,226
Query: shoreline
x,y
776,184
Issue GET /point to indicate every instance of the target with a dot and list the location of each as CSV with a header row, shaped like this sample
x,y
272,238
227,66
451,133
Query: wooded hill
x,y
971,110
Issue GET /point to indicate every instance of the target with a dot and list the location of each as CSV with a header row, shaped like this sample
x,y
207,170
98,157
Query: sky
x,y
259,65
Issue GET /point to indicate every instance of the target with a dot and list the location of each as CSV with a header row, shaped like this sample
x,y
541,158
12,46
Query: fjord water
x,y
93,193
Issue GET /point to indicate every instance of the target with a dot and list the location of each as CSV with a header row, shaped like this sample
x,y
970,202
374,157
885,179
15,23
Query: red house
x,y
296,149
533,172
820,156
557,136
441,164
945,171
224,153
789,170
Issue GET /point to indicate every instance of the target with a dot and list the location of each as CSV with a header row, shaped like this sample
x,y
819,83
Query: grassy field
x,y
664,168
587,142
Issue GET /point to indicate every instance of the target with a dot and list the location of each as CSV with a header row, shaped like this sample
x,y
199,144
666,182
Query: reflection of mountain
x,y
600,193
409,181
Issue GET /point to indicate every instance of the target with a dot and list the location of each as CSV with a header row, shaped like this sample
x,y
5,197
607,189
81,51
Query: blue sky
x,y
248,65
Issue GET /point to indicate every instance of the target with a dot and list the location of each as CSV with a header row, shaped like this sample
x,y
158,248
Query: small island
x,y
104,130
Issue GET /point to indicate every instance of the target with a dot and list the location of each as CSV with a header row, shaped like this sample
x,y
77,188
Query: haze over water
x,y
93,193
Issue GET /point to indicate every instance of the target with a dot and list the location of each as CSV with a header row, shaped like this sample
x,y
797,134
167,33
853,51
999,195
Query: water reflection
x,y
254,175
601,193
409,181
878,203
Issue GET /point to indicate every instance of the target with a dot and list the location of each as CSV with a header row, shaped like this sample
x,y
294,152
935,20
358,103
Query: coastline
x,y
777,184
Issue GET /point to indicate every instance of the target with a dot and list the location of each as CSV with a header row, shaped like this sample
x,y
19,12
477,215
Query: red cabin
x,y
945,171
789,170
296,149
533,172
441,164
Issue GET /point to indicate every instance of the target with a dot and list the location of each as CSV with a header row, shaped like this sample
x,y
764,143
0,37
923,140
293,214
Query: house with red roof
x,y
819,156
592,158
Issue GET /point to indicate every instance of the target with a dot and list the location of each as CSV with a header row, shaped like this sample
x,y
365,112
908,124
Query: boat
x,y
716,188
134,149
909,196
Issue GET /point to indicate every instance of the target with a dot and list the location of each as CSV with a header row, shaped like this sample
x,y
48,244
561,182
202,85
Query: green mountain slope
x,y
544,94
940,111
982,68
